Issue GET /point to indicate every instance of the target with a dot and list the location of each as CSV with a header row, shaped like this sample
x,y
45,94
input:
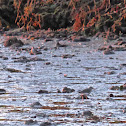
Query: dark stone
x,y
95,119
42,91
81,39
67,56
123,87
41,115
58,91
114,88
45,48
111,95
46,124
30,122
67,90
110,73
48,39
123,64
2,91
109,47
87,90
5,58
108,52
15,45
102,48
13,41
120,29
87,113
47,63
36,105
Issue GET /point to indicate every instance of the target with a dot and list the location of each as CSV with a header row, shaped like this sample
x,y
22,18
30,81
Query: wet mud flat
x,y
62,86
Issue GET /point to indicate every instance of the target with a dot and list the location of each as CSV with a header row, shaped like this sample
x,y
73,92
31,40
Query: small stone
x,y
12,40
110,73
42,91
15,45
67,90
123,87
111,58
46,124
109,47
5,58
95,119
48,39
45,48
58,91
111,95
30,122
119,49
2,91
87,113
124,64
47,63
67,56
114,88
108,52
36,105
81,39
87,90
102,48
41,115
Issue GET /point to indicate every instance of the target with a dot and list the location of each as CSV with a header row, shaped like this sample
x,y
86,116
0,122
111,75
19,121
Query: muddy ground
x,y
61,82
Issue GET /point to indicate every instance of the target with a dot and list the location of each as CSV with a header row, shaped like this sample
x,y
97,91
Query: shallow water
x,y
87,68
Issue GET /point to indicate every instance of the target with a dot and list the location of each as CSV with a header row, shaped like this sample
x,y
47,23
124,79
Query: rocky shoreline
x,y
62,77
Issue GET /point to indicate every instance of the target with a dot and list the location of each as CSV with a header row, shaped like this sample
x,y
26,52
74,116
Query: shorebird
x,y
34,51
58,44
87,90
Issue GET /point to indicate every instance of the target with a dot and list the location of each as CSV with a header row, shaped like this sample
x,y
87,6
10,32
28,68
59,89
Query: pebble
x,y
110,73
2,91
114,88
41,115
67,90
48,39
42,91
47,63
5,58
111,95
123,87
30,122
67,56
124,64
36,105
13,40
46,124
81,39
119,48
87,113
108,52
58,91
